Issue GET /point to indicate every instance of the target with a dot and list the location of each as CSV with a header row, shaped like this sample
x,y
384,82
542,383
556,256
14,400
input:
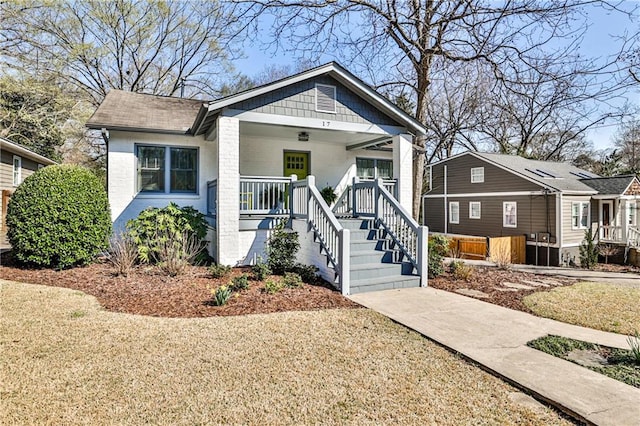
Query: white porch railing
x,y
344,204
258,195
333,238
371,199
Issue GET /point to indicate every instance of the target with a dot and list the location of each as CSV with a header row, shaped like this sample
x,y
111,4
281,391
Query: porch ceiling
x,y
340,137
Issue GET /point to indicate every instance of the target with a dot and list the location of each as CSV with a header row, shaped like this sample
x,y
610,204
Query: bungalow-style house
x,y
258,158
550,203
16,164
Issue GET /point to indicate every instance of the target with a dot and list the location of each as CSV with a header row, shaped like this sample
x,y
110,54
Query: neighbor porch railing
x,y
372,199
334,240
610,233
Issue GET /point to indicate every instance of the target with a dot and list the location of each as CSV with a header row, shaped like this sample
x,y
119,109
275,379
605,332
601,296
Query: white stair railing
x,y
373,200
333,238
633,237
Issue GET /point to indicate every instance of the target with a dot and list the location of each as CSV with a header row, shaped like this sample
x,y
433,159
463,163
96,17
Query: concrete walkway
x,y
496,338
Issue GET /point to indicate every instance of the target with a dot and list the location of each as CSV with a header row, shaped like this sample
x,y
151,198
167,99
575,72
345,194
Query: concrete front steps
x,y
375,264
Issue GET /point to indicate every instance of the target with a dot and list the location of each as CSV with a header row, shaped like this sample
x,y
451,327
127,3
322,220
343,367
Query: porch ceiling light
x,y
303,137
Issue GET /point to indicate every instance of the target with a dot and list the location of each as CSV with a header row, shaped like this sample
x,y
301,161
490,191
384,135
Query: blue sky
x,y
600,41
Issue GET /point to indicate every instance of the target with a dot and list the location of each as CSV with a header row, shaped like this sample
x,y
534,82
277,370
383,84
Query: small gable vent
x,y
325,98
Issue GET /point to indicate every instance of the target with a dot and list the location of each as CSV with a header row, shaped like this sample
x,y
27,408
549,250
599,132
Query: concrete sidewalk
x,y
496,338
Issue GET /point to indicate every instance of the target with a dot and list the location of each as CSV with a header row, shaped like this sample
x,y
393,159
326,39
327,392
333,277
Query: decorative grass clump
x,y
58,218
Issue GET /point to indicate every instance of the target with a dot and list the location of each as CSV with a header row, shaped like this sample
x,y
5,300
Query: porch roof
x,y
208,112
614,185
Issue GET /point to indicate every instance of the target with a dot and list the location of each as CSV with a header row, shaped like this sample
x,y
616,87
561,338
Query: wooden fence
x,y
504,249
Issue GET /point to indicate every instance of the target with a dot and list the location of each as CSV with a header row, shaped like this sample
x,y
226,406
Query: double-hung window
x,y
166,169
17,170
474,209
477,174
373,168
632,210
510,214
454,212
580,215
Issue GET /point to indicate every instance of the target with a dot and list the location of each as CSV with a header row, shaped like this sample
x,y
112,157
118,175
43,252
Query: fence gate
x,y
508,249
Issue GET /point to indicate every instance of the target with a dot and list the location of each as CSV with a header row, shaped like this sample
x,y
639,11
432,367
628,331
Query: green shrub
x,y
282,247
240,282
154,226
292,280
260,270
221,295
59,217
219,271
588,250
308,273
328,194
272,286
438,249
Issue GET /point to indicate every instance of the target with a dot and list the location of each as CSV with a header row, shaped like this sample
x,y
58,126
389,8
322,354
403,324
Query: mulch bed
x,y
489,279
147,291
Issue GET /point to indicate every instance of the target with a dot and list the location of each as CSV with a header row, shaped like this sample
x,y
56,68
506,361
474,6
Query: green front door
x,y
296,163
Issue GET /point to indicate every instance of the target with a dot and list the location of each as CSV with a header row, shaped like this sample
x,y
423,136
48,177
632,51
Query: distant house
x,y
16,164
258,158
550,203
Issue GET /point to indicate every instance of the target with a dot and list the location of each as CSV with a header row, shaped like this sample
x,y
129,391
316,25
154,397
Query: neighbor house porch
x,y
617,220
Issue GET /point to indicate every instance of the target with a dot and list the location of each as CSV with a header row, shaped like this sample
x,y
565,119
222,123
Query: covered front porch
x,y
617,220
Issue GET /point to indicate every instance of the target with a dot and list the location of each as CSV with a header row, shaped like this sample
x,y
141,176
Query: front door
x,y
296,163
606,215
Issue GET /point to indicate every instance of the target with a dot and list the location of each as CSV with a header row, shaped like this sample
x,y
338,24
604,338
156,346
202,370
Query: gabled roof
x,y
561,177
614,185
122,110
24,152
208,112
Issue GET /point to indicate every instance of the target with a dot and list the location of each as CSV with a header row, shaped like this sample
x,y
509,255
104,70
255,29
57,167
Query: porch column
x,y
228,133
403,169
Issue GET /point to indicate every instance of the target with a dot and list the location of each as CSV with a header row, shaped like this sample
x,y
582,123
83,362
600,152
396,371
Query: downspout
x,y
105,137
446,210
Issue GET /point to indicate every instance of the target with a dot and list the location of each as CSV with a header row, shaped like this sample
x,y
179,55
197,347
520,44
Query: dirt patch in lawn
x,y
147,291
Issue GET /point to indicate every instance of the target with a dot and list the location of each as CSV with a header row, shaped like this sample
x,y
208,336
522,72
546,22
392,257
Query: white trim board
x,y
486,194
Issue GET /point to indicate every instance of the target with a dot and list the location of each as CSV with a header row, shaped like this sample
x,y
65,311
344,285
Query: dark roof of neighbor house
x,y
207,113
24,152
560,177
614,185
122,110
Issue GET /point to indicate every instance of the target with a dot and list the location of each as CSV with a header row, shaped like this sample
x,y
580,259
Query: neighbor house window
x,y
510,214
474,210
454,212
17,170
167,169
632,212
373,168
477,174
580,215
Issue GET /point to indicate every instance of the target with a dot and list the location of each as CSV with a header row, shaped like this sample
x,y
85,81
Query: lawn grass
x,y
66,361
601,306
621,364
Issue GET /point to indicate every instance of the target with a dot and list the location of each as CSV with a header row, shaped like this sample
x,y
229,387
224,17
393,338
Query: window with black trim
x,y
167,169
373,168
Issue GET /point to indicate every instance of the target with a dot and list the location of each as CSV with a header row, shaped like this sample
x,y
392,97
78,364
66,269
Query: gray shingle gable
x,y
615,185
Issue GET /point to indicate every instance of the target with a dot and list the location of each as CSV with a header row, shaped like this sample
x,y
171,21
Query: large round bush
x,y
59,217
